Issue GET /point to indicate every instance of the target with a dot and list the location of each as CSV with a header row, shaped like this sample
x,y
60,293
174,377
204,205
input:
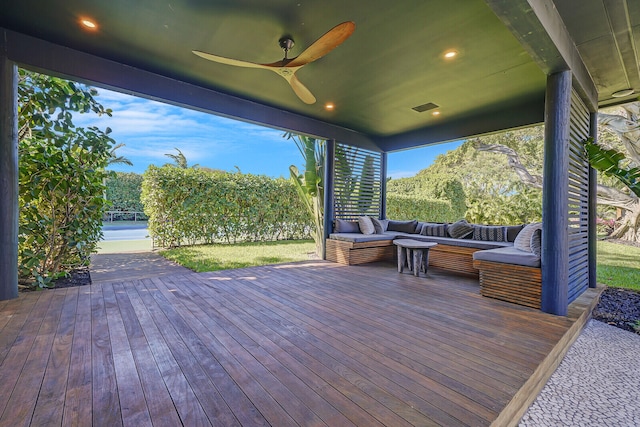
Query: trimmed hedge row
x,y
403,207
123,191
199,206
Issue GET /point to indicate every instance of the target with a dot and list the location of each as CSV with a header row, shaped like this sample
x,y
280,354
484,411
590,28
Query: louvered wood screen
x,y
357,182
578,208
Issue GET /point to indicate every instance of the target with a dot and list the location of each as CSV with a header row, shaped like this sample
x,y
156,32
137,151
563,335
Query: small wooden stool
x,y
414,254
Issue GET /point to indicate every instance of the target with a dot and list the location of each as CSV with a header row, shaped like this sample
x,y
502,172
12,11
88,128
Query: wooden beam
x,y
329,161
383,186
541,31
511,116
555,205
593,204
50,58
8,177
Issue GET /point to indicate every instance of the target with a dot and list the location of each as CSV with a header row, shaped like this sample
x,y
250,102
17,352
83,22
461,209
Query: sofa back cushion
x,y
437,230
525,237
366,225
403,226
460,229
491,233
512,231
344,226
380,225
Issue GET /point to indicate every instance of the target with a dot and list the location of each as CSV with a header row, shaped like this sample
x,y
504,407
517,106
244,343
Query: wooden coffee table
x,y
414,254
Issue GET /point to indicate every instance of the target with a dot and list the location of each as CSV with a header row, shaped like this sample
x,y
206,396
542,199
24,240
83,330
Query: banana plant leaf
x,y
608,161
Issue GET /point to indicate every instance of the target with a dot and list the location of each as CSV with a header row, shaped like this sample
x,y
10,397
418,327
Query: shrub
x,y
403,207
61,173
199,206
431,187
123,191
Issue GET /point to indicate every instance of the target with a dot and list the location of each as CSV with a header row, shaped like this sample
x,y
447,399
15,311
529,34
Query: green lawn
x,y
223,257
124,246
619,265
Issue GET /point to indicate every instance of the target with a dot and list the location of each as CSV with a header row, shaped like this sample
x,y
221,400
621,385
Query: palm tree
x,y
179,160
118,160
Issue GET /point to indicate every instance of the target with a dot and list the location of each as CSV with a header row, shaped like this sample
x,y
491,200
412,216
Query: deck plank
x,y
187,405
19,408
417,404
311,343
236,361
50,404
158,400
106,404
187,349
227,329
132,400
78,397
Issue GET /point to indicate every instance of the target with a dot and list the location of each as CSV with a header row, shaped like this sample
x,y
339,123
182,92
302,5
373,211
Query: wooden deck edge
x,y
580,312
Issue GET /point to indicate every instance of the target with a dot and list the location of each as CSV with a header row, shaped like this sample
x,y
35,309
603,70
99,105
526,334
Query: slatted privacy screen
x,y
578,195
357,182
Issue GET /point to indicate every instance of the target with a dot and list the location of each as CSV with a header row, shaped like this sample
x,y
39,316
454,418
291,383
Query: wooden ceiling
x,y
393,62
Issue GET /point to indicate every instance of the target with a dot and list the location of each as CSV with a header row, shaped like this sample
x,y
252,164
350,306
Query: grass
x,y
223,257
618,265
123,246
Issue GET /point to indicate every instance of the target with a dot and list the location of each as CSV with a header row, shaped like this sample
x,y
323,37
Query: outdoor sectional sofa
x,y
504,269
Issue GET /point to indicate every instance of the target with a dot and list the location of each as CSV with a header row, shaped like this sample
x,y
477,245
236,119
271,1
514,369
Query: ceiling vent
x,y
425,107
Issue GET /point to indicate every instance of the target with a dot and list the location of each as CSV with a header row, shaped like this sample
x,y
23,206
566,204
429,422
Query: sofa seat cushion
x,y
465,243
359,237
508,255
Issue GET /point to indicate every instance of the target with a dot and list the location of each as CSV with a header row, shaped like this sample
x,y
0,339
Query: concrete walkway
x,y
597,384
131,266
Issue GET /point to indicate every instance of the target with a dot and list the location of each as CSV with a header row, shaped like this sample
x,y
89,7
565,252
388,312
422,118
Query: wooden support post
x,y
593,202
8,177
555,242
329,159
383,186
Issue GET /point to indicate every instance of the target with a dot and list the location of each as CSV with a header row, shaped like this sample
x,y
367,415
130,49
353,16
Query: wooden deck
x,y
309,344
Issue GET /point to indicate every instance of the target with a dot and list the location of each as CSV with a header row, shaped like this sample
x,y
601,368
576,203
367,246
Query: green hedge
x,y
123,191
199,206
402,207
432,187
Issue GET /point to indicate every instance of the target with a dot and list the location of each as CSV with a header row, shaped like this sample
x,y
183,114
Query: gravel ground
x,y
619,308
597,384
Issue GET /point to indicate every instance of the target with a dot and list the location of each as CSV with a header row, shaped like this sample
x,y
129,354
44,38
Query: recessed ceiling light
x,y
622,93
329,106
450,54
436,113
88,23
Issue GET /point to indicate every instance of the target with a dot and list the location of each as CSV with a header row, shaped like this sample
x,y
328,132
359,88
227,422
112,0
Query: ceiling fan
x,y
287,67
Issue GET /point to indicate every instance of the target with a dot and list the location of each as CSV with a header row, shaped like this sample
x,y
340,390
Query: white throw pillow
x,y
523,239
366,225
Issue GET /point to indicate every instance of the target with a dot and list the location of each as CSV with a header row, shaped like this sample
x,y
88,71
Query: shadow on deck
x,y
311,343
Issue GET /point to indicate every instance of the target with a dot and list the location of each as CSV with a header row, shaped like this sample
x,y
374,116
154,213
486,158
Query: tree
x,y
480,185
619,130
179,160
310,184
618,134
61,174
115,159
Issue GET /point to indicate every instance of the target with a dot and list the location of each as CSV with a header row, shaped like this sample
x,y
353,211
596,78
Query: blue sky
x,y
150,129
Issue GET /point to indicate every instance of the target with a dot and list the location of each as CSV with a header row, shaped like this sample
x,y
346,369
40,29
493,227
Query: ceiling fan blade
x,y
301,90
325,44
229,61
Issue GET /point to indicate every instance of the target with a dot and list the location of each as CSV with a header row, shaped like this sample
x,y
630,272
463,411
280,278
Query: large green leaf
x,y
608,161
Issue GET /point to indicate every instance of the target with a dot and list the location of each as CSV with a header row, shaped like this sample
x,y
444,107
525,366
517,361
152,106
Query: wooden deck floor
x,y
309,344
